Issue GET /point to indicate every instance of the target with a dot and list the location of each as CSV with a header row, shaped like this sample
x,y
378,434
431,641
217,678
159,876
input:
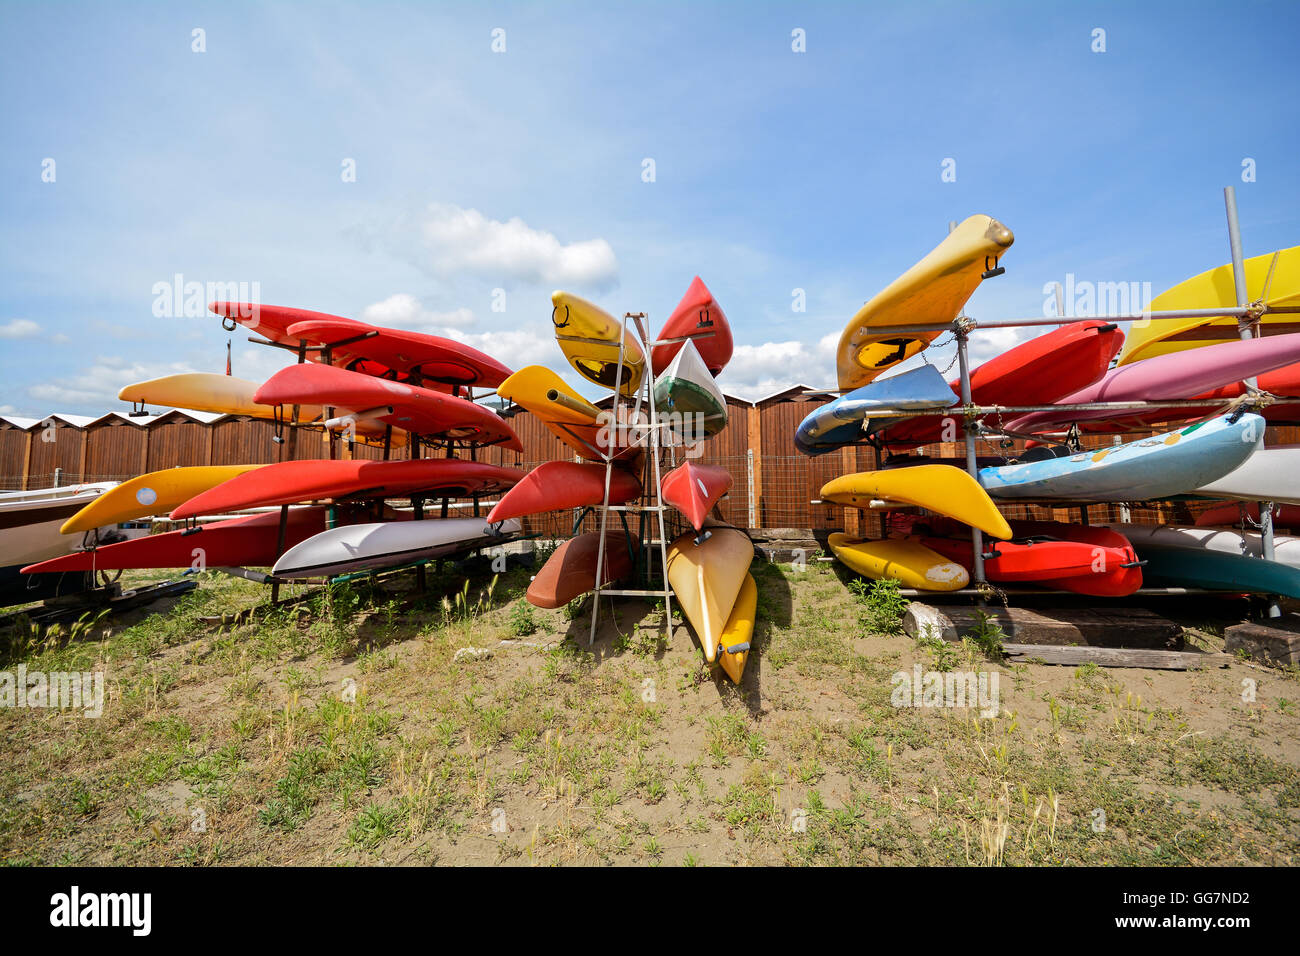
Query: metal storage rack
x,y
1247,314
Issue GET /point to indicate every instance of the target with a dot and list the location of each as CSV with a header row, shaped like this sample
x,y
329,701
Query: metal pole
x,y
609,468
976,536
1247,329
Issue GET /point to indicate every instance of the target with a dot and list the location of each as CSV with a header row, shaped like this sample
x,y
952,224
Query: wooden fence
x,y
773,484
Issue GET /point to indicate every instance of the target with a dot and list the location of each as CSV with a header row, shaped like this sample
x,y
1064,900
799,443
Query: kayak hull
x,y
1153,468
698,316
706,580
387,544
291,482
942,489
905,560
570,572
694,489
556,485
589,337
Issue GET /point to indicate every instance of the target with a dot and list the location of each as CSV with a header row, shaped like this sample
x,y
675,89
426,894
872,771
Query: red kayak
x,y
289,482
408,353
389,353
571,571
247,542
421,411
1036,372
556,485
696,316
1283,382
1068,557
694,489
1284,516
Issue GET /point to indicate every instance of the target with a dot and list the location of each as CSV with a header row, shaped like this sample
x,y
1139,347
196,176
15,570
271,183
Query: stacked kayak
x,y
393,387
1153,468
1216,559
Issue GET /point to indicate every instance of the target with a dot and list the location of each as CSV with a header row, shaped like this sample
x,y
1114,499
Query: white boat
x,y
1286,548
361,547
30,522
1270,474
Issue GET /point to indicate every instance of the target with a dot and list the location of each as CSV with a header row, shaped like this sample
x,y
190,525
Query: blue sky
x,y
522,170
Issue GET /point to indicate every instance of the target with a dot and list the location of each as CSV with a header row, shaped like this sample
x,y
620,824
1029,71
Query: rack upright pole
x,y
1248,328
976,536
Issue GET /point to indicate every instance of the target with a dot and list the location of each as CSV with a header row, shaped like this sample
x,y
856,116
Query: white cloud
x,y
758,370
94,389
404,311
464,240
19,329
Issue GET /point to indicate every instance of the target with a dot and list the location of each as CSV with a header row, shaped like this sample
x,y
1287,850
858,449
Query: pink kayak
x,y
1174,376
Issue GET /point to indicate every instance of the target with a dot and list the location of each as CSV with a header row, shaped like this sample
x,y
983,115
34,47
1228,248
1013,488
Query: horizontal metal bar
x,y
620,592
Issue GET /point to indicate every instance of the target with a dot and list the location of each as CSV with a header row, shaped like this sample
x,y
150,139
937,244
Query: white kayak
x,y
1271,474
687,389
362,547
1286,548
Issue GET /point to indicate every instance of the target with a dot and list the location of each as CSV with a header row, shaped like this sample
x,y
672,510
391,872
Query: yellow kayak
x,y
942,489
226,395
566,414
589,337
707,579
932,291
156,493
207,392
1151,337
739,631
909,562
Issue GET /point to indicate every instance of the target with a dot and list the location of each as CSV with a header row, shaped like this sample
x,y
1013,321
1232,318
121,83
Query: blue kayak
x,y
1215,570
1153,468
847,419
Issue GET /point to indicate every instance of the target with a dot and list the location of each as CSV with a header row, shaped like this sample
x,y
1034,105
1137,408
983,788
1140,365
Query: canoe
x,y
413,355
693,489
931,292
1036,372
1286,548
556,485
687,392
30,521
846,419
1212,289
905,560
388,544
589,338
1083,559
1177,375
1191,567
570,572
942,489
247,541
698,316
409,351
1271,474
706,579
420,411
566,414
1153,468
156,493
290,482
1284,516
1283,382
733,646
